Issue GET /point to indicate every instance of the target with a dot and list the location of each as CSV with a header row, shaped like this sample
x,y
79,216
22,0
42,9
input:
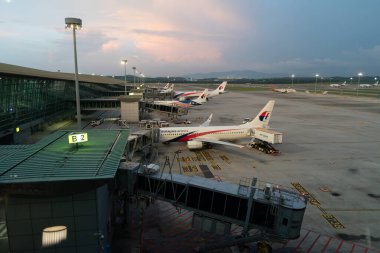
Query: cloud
x,y
190,36
373,52
174,31
304,66
175,50
90,41
7,34
110,45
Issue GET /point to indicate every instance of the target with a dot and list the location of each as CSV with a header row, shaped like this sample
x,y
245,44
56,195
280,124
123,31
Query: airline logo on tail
x,y
264,115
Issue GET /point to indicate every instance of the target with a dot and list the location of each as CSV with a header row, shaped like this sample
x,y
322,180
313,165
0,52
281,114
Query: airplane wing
x,y
190,96
178,94
218,142
207,122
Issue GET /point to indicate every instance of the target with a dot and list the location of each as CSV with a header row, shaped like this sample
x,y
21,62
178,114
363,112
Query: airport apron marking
x,y
312,200
330,218
334,222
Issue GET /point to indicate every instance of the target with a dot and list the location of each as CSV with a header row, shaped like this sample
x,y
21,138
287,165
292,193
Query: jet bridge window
x,y
285,221
3,228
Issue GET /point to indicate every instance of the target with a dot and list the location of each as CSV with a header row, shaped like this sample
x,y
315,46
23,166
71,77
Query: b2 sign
x,y
77,137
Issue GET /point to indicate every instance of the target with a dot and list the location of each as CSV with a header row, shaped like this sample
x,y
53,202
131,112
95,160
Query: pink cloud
x,y
110,46
174,31
174,50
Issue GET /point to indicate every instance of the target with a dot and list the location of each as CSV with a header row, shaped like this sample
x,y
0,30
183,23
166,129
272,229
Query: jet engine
x,y
194,145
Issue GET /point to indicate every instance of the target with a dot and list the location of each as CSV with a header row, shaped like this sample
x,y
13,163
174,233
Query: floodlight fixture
x,y
74,23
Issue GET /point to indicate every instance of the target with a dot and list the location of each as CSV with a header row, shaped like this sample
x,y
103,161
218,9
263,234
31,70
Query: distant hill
x,y
236,74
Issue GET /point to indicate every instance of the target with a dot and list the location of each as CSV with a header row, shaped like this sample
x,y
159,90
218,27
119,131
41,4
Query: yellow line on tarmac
x,y
330,218
353,210
333,221
311,199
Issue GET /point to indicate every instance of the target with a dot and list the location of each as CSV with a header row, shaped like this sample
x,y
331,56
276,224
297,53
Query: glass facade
x,y
4,247
24,99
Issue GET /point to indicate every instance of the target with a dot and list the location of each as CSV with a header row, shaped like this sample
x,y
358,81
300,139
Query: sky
x,y
174,37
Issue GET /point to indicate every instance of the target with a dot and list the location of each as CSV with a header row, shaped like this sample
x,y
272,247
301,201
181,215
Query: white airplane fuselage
x,y
212,93
197,136
288,90
219,133
171,103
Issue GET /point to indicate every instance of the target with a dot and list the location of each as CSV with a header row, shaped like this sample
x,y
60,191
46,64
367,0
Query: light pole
x,y
321,82
292,76
75,23
142,79
134,76
315,86
357,89
350,80
125,75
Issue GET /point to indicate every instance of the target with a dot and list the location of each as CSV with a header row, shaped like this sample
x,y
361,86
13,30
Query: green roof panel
x,y
54,159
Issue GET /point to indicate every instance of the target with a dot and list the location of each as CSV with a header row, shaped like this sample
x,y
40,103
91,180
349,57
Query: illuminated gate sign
x,y
78,137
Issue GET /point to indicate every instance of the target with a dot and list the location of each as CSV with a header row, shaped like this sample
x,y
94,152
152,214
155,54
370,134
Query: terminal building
x,y
31,97
55,184
68,191
65,195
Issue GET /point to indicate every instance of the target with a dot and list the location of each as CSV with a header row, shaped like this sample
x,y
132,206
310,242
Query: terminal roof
x,y
23,71
54,159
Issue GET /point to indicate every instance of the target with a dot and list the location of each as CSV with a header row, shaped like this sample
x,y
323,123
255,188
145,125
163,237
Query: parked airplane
x,y
200,136
288,90
172,103
201,99
365,85
336,85
186,95
169,89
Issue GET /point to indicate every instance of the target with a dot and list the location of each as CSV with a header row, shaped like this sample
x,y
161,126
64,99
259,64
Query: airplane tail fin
x,y
221,87
207,122
262,118
202,98
166,86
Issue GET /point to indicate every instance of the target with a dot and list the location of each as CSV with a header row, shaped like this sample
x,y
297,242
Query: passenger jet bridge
x,y
277,211
92,104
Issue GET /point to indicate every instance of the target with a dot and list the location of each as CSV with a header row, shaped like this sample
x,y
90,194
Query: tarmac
x,y
330,152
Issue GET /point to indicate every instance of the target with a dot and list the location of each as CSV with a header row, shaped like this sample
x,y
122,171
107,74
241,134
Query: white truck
x,y
268,135
96,122
263,138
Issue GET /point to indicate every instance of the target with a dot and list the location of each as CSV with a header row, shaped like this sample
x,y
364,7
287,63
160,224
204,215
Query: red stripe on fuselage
x,y
191,136
189,93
